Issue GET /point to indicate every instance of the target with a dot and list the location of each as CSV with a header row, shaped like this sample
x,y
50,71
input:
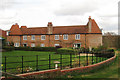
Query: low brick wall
x,y
80,69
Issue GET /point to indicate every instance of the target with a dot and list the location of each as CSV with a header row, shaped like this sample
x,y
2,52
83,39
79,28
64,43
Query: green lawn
x,y
31,56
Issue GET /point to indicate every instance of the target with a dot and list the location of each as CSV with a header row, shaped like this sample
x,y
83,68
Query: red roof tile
x,y
15,30
69,29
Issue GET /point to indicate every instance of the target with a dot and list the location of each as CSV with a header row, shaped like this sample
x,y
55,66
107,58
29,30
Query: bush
x,y
66,51
23,48
105,53
8,48
83,50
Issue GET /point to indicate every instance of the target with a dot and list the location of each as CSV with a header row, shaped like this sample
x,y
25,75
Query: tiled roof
x,y
15,30
39,30
70,29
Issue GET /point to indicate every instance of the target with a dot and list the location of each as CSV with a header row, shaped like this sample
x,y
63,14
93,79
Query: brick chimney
x,y
89,23
50,28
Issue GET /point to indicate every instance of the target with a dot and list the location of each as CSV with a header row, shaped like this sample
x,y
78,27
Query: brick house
x,y
88,35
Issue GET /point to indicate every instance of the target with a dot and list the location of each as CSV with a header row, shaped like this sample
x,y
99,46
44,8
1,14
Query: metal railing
x,y
66,61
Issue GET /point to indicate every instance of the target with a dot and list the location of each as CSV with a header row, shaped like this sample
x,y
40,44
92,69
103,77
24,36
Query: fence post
x,y
87,57
61,61
96,59
70,60
36,62
92,58
99,57
22,64
49,61
79,59
5,64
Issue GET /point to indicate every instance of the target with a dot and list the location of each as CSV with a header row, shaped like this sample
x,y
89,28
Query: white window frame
x,y
56,37
65,36
32,44
56,45
33,37
16,44
24,37
77,36
42,45
42,37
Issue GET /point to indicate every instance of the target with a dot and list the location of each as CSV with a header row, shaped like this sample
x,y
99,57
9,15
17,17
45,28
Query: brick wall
x,y
92,40
111,41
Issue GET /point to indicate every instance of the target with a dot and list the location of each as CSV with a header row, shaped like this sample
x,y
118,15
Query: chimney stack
x,y
89,23
50,28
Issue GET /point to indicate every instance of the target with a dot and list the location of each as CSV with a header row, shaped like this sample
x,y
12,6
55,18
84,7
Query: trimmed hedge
x,y
52,49
8,48
66,51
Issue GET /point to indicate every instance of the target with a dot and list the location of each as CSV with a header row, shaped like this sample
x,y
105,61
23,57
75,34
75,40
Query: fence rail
x,y
64,62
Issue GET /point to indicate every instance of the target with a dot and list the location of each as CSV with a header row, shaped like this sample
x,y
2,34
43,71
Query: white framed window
x,y
77,36
16,44
42,45
56,45
33,37
56,37
32,45
65,36
42,37
25,37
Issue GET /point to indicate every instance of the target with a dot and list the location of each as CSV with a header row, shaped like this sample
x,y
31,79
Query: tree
x,y
109,33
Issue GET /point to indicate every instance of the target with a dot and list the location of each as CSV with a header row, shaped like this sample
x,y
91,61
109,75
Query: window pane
x,y
33,37
42,45
24,37
65,37
56,37
43,37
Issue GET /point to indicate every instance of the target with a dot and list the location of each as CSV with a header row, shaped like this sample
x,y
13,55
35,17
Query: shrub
x,y
83,50
105,53
66,51
8,48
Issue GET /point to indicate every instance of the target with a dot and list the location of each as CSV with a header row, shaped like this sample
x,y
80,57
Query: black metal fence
x,y
65,61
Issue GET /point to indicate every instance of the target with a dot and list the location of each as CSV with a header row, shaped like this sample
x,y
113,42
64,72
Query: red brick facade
x,y
88,35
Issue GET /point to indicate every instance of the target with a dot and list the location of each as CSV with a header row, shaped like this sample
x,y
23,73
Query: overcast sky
x,y
37,13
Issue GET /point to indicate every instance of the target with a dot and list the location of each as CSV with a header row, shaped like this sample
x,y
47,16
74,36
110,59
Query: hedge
x,y
8,48
52,49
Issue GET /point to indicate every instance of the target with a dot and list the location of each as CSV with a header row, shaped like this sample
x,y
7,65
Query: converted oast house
x,y
88,35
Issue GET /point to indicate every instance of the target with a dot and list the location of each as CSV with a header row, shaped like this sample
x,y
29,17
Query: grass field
x,y
29,58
